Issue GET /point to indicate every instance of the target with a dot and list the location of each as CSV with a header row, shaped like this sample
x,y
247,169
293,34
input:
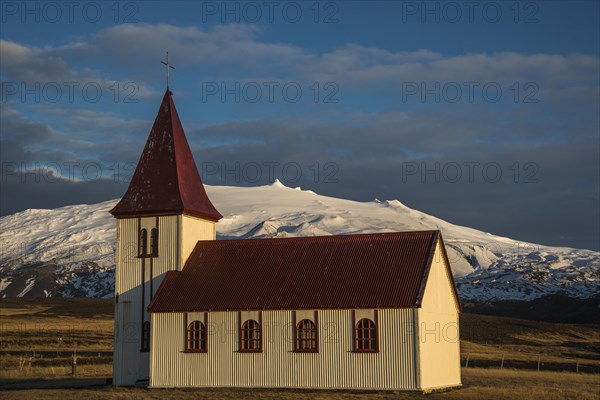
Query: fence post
x,y
539,361
74,363
502,362
467,363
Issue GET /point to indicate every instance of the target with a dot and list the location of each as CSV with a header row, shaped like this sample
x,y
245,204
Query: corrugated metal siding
x,y
382,270
168,248
126,278
117,351
129,363
126,359
128,309
335,366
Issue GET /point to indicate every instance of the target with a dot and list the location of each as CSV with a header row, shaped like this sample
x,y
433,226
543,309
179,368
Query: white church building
x,y
370,311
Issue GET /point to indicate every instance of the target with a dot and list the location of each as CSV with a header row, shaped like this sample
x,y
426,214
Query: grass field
x,y
38,337
485,340
479,384
56,324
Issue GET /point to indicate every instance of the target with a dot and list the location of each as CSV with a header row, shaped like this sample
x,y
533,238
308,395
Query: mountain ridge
x,y
69,251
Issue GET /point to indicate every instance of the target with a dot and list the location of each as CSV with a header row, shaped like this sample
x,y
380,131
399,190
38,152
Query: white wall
x,y
178,235
335,366
128,292
192,230
438,327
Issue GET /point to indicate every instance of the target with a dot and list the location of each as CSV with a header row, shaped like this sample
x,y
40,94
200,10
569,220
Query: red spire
x,y
166,180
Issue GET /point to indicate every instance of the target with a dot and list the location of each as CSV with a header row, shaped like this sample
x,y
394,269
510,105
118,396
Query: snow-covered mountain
x,y
69,251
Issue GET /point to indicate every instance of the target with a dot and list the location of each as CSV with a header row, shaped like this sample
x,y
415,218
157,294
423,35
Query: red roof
x,y
384,270
166,180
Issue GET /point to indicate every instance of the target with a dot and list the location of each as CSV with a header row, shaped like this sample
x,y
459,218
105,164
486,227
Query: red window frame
x,y
196,336
365,334
306,334
250,335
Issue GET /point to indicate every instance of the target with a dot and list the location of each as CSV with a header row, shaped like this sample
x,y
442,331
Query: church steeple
x,y
166,180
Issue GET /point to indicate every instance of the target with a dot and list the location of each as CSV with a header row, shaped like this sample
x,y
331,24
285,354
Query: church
x,y
369,312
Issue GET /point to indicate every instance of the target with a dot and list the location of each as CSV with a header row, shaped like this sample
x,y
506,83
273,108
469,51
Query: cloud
x,y
223,45
414,158
240,52
52,74
32,151
23,63
371,135
20,191
370,153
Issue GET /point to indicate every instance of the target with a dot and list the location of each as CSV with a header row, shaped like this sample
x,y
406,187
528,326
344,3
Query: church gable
x,y
438,280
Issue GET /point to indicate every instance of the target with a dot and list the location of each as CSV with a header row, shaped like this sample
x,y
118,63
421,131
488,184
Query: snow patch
x,y
4,283
277,183
28,286
80,241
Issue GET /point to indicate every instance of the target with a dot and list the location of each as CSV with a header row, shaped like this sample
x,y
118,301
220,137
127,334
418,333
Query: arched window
x,y
143,245
146,336
365,336
306,336
154,241
250,337
196,337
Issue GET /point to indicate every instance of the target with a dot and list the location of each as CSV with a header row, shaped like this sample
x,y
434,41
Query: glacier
x,y
69,251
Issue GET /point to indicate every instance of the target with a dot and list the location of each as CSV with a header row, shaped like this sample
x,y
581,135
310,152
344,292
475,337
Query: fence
x,y
531,362
25,361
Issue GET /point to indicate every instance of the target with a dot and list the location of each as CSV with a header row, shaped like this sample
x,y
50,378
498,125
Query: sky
x,y
482,113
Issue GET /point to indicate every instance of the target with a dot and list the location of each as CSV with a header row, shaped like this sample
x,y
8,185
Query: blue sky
x,y
481,113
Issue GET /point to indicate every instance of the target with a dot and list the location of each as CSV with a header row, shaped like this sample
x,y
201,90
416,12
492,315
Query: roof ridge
x,y
170,110
323,237
427,267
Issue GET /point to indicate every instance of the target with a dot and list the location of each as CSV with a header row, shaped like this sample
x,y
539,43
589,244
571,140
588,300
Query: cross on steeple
x,y
168,66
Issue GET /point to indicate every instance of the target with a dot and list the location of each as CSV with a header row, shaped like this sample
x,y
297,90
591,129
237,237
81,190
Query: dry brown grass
x,y
54,372
46,326
53,325
65,325
560,346
479,384
492,355
518,384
